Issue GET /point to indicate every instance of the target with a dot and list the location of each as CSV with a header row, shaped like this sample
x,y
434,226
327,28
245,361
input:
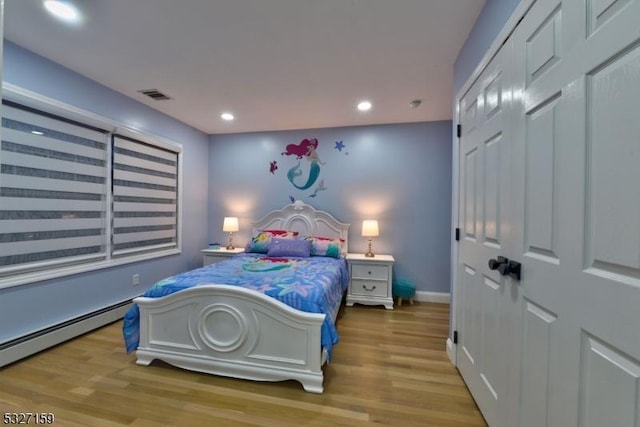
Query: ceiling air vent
x,y
155,94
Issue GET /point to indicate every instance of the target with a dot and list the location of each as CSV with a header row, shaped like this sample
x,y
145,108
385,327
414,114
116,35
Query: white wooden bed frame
x,y
237,332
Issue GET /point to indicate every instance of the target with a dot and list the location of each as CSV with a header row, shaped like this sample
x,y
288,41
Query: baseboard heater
x,y
35,342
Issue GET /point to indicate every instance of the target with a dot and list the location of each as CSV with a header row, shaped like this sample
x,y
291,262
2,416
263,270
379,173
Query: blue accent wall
x,y
29,308
397,174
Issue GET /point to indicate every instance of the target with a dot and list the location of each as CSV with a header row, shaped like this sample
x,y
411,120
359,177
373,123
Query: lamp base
x,y
230,245
369,253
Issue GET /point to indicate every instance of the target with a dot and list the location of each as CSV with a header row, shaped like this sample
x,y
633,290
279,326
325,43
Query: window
x,y
145,195
78,192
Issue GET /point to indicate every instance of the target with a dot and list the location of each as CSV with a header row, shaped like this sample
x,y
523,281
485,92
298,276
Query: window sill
x,y
39,276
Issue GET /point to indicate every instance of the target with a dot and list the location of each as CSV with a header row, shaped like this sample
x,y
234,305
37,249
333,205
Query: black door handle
x,y
515,270
495,264
506,267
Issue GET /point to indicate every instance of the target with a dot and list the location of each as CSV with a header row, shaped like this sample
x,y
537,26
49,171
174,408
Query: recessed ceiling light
x,y
227,116
63,10
364,106
37,132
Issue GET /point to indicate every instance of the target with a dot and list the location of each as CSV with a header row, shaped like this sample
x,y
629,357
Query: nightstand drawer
x,y
369,288
362,271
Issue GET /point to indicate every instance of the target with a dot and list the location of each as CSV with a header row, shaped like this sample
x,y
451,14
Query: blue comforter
x,y
314,285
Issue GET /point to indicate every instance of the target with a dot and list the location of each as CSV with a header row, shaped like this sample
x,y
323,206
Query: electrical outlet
x,y
136,279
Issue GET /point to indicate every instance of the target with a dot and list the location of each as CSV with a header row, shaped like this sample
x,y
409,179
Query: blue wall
x,y
28,308
397,174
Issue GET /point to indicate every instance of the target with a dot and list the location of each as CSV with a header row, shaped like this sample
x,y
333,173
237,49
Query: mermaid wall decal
x,y
307,148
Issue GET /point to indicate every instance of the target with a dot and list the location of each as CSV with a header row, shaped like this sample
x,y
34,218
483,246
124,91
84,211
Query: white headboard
x,y
306,220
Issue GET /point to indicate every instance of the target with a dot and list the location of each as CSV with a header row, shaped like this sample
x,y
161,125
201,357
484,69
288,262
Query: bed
x,y
239,331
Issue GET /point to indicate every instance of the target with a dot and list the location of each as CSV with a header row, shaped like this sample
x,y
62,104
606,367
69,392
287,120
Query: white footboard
x,y
232,331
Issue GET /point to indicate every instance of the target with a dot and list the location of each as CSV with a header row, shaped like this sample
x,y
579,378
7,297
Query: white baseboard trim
x,y
21,348
451,352
439,297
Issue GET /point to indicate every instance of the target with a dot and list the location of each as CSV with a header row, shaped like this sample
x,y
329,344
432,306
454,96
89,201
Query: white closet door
x,y
577,212
559,193
483,293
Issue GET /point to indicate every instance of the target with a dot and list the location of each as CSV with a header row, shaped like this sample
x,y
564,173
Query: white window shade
x,y
53,191
80,192
145,197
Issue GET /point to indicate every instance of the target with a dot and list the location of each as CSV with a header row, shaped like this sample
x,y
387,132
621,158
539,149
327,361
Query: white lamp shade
x,y
230,224
370,228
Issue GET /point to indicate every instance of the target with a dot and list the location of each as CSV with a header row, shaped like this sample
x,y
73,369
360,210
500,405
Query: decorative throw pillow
x,y
325,246
260,242
289,247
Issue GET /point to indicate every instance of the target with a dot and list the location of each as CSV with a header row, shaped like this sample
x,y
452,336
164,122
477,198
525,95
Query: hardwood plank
x,y
390,367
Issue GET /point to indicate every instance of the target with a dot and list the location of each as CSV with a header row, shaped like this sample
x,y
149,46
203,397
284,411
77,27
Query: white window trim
x,y
25,97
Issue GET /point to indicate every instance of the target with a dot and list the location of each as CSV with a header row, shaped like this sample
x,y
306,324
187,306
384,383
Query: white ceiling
x,y
276,64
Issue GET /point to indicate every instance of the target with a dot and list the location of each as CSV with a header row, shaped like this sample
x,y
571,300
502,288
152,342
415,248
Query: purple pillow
x,y
289,247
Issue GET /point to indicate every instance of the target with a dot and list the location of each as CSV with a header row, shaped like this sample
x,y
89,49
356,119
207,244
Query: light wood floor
x,y
390,368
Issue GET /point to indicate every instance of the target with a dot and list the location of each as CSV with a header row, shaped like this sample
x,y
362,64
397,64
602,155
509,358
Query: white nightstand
x,y
370,280
211,256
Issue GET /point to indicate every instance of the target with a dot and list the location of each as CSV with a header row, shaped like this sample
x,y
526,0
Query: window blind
x,y
145,197
76,194
53,191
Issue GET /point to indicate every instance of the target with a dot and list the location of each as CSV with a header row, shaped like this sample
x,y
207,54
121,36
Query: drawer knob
x,y
367,289
369,271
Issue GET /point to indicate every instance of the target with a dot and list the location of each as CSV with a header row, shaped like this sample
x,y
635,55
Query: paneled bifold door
x,y
482,295
549,165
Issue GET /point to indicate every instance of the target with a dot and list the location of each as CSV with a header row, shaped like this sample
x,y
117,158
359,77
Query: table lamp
x,y
370,229
230,225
